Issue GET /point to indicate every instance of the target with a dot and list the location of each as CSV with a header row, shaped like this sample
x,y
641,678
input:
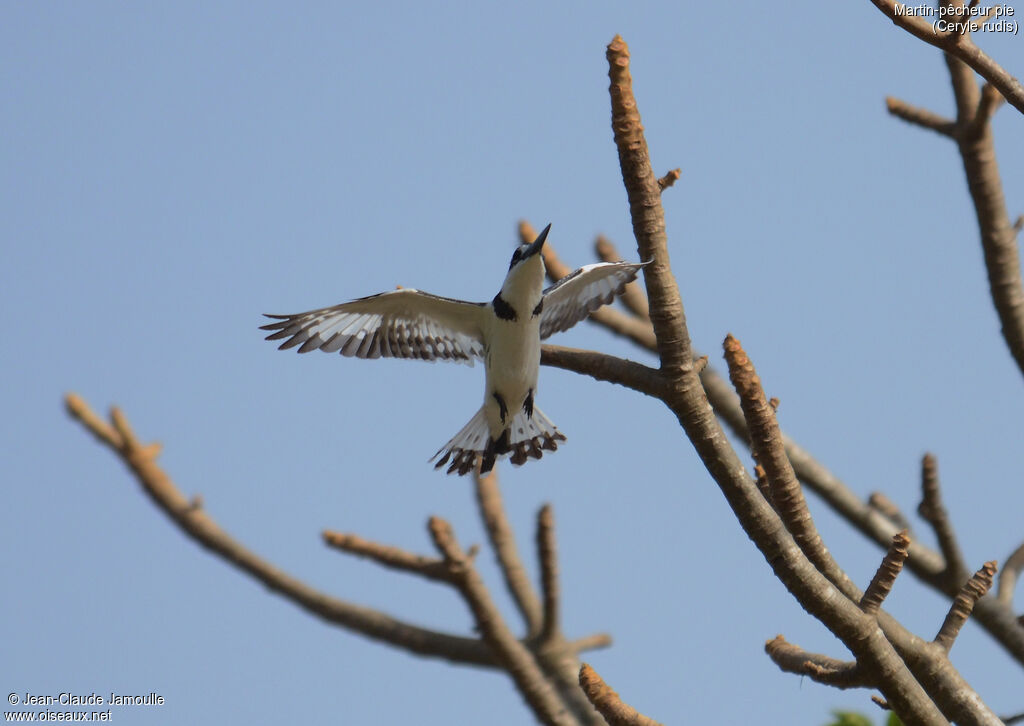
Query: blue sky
x,y
170,171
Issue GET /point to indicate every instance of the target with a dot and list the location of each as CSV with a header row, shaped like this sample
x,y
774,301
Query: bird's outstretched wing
x,y
402,323
582,292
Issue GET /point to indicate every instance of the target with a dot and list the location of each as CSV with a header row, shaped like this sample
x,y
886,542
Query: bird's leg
x,y
528,404
502,408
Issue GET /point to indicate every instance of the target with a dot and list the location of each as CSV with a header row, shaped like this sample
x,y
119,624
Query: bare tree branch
x,y
684,395
769,451
960,46
199,526
534,687
607,701
189,516
499,532
956,699
921,117
973,135
821,668
648,216
991,100
556,657
605,367
963,604
916,677
548,556
932,511
386,555
888,509
1008,576
669,179
998,239
874,523
881,584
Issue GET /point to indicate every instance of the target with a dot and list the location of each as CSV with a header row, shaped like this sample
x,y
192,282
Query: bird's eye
x,y
516,256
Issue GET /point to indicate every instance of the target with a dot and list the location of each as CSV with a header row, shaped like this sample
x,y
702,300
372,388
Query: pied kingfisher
x,y
505,333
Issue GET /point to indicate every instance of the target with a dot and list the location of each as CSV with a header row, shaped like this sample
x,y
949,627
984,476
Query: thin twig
x,y
631,327
596,641
605,367
1008,576
669,179
963,604
502,538
548,556
821,668
530,681
920,117
78,409
932,511
991,100
392,557
885,577
888,509
608,703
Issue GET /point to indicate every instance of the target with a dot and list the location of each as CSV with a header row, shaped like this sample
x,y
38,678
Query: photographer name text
x,y
92,699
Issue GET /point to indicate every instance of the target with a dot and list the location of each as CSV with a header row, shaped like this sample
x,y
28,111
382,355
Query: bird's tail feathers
x,y
464,448
527,437
530,436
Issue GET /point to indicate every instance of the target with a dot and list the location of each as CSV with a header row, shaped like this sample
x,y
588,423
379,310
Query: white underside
x,y
512,364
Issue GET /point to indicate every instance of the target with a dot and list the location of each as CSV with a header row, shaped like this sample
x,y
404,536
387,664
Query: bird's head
x,y
528,251
525,279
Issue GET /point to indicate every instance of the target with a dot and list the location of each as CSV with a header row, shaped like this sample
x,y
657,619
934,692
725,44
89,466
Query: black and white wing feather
x,y
402,323
582,292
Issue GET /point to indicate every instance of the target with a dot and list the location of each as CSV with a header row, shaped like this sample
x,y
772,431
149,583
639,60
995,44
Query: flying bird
x,y
505,333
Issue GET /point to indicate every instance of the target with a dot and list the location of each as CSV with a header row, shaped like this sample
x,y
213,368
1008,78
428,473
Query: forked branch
x,y
190,517
972,132
957,44
684,395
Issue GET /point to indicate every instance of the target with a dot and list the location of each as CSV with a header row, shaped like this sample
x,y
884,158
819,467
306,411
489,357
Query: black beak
x,y
537,243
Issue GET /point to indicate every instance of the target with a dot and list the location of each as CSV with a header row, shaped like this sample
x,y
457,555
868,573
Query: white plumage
x,y
505,333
